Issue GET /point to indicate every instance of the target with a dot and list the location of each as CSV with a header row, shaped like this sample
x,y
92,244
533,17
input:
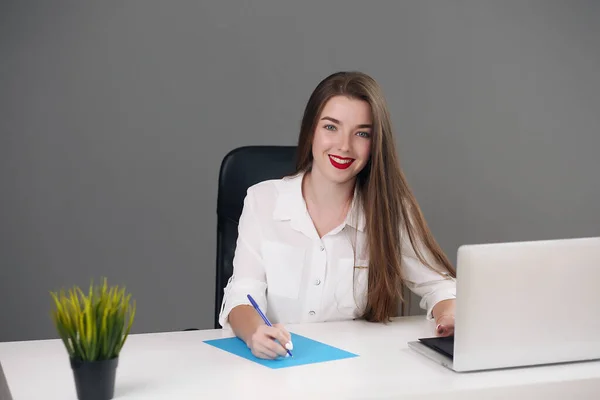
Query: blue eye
x,y
364,134
329,127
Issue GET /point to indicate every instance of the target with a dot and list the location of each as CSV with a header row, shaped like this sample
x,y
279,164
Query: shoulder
x,y
271,188
266,195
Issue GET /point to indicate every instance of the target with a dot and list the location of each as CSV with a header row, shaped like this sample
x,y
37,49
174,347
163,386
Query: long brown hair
x,y
388,203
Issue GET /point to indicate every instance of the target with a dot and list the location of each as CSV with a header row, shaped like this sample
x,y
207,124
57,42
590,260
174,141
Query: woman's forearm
x,y
244,320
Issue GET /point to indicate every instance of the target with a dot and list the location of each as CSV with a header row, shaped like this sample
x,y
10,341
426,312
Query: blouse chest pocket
x,y
352,284
283,267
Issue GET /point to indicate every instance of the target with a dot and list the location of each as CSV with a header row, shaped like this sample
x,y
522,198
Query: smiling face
x,y
342,140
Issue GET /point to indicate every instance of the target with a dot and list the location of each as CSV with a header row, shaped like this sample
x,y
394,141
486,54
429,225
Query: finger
x,y
446,320
280,335
440,329
267,341
265,350
268,356
275,347
443,330
264,338
288,336
262,355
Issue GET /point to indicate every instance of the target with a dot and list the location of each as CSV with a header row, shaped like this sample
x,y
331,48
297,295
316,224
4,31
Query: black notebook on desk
x,y
443,345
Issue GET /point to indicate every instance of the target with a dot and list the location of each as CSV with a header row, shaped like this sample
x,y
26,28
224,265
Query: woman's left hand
x,y
445,325
443,313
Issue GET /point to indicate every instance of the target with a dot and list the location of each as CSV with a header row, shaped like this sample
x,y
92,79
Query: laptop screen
x,y
443,345
4,391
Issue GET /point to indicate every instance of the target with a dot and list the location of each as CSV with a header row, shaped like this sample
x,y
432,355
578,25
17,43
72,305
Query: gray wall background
x,y
114,117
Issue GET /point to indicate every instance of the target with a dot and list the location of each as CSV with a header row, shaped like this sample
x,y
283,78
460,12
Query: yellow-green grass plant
x,y
93,327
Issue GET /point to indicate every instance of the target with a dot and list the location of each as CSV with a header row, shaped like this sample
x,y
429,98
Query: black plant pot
x,y
95,380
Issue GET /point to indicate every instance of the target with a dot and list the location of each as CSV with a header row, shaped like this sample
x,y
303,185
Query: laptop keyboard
x,y
443,345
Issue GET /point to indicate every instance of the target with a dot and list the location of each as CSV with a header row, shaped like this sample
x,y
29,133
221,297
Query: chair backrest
x,y
240,169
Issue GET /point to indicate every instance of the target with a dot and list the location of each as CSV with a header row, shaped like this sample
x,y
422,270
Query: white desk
x,y
178,365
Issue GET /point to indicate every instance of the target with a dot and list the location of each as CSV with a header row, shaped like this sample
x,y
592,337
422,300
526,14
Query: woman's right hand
x,y
268,342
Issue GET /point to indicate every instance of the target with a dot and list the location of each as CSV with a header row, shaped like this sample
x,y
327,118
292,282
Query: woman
x,y
340,238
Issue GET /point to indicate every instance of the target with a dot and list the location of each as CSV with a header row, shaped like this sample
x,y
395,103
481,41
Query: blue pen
x,y
263,316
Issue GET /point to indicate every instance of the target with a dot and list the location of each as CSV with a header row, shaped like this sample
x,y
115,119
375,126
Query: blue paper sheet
x,y
306,351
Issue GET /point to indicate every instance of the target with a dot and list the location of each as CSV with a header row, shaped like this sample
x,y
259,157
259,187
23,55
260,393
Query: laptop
x,y
4,390
522,304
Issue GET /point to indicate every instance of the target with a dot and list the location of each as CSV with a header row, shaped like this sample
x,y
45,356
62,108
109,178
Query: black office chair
x,y
240,169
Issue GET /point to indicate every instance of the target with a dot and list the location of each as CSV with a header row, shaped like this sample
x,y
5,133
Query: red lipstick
x,y
347,162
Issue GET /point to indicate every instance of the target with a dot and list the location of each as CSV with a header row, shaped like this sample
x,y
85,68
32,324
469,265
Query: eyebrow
x,y
335,121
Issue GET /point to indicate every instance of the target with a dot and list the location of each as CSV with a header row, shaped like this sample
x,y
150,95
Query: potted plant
x,y
93,329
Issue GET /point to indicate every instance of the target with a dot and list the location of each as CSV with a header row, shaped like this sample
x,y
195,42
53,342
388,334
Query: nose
x,y
344,143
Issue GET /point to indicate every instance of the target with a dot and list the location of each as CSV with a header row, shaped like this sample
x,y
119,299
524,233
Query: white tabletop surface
x,y
178,365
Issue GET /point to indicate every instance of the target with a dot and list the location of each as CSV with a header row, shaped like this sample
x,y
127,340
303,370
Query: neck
x,y
326,194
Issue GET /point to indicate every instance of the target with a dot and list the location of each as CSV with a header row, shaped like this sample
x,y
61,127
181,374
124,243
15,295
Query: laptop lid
x,y
527,303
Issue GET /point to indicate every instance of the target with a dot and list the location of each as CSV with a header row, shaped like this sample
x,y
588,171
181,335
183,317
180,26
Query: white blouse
x,y
297,277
